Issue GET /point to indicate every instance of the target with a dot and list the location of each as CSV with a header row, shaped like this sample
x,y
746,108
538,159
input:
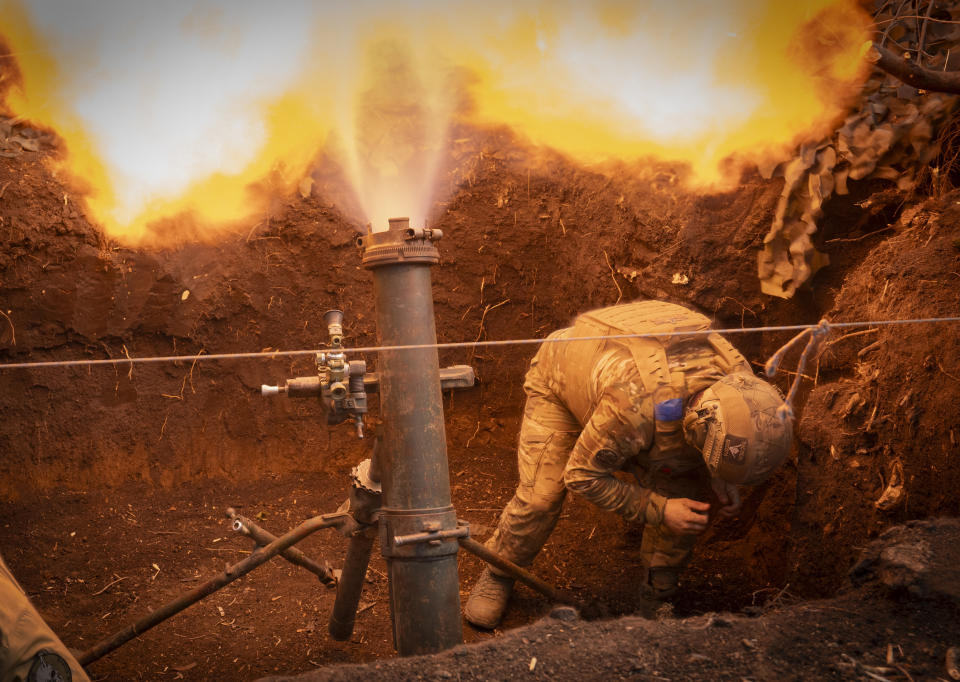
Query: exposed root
x,y
127,353
483,317
13,331
955,378
163,427
837,340
470,440
107,586
743,309
613,274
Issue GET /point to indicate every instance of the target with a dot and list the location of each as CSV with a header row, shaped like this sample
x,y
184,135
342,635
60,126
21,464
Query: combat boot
x,y
661,584
488,600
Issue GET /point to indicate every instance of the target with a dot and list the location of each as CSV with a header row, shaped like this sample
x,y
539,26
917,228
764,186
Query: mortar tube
x,y
423,581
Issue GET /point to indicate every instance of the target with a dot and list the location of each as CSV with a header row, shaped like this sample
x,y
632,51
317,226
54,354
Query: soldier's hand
x,y
684,516
728,495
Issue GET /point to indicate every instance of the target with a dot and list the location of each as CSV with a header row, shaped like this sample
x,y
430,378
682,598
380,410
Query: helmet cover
x,y
744,440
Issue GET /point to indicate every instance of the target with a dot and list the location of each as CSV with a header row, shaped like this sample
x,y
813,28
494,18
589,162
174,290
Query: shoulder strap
x,y
731,358
645,317
649,317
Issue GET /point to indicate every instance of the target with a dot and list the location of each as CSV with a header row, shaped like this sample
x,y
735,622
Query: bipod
x,y
358,519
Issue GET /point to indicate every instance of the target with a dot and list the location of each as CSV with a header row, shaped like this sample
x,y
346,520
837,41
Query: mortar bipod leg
x,y
241,568
364,507
519,573
351,584
262,538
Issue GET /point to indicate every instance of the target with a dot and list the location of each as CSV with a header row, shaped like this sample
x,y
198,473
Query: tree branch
x,y
912,74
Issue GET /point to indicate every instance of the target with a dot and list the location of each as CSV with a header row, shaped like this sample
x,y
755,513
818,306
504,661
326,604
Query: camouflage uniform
x,y
29,650
590,414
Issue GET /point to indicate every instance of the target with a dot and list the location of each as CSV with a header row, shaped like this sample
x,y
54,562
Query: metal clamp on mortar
x,y
433,537
419,533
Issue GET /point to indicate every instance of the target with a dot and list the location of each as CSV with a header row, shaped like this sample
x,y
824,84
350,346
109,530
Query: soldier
x,y
684,413
29,650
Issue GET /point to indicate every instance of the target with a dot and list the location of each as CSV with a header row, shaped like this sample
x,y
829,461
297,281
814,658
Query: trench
x,y
115,480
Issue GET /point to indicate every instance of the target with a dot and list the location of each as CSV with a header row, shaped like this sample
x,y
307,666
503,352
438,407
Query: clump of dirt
x,y
121,473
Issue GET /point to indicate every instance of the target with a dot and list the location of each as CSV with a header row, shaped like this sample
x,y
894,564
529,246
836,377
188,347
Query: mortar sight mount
x,y
339,383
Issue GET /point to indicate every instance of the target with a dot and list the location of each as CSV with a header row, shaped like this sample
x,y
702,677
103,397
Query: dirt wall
x,y
525,251
103,457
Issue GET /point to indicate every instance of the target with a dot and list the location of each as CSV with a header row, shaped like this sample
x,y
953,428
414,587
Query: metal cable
x,y
459,344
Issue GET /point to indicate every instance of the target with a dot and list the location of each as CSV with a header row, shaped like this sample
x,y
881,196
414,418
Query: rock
x,y
893,495
664,612
715,621
952,663
921,559
564,612
852,405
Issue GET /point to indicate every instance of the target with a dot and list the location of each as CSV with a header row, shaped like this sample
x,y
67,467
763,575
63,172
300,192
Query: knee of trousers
x,y
528,502
528,519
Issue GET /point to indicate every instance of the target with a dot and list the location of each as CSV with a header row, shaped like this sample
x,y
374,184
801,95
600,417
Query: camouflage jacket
x,y
600,382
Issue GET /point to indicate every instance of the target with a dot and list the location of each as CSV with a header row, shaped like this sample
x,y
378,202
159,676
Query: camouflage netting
x,y
16,138
892,137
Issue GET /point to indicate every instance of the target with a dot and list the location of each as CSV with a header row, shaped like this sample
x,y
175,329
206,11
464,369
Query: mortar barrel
x,y
424,586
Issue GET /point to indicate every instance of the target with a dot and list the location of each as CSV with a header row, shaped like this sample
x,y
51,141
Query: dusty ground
x,y
899,623
111,475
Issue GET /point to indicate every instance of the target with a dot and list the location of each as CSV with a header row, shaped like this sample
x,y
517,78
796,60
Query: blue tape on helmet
x,y
668,410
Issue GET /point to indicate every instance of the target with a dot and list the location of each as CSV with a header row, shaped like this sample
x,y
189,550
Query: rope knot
x,y
813,335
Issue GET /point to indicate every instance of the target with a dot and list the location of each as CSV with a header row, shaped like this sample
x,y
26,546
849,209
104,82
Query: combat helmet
x,y
743,438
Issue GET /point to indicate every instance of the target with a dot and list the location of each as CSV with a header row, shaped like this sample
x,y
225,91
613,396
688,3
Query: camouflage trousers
x,y
28,647
547,436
